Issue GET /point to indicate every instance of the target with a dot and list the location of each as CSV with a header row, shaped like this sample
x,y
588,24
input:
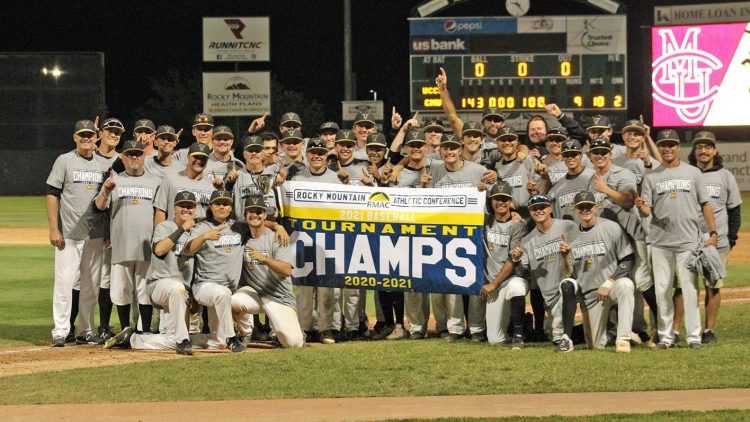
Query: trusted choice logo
x,y
236,26
681,75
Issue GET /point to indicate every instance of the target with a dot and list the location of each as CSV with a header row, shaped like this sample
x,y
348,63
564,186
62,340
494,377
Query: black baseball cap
x,y
539,200
84,126
346,135
329,127
223,131
415,136
290,117
166,131
220,194
185,197
144,124
203,119
291,134
449,138
506,132
364,117
113,125
492,112
252,140
571,145
376,140
133,145
667,135
198,148
704,137
559,133
584,197
433,125
472,128
634,126
501,189
598,122
255,201
316,144
600,143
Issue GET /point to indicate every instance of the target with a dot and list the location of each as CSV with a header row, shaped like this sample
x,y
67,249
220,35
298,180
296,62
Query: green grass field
x,y
722,416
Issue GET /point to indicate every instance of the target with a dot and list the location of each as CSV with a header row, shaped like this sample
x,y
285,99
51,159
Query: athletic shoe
x,y
676,339
58,341
106,333
662,345
89,338
517,342
312,336
443,333
71,337
695,345
259,335
121,340
382,333
643,336
326,337
417,335
452,338
634,339
235,345
355,335
708,337
622,346
564,345
398,333
478,337
275,342
185,348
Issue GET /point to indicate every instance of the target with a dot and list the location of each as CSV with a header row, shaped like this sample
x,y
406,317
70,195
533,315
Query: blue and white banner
x,y
422,240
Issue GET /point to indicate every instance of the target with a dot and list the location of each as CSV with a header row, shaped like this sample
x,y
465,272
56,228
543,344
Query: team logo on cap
x,y
185,196
85,123
596,119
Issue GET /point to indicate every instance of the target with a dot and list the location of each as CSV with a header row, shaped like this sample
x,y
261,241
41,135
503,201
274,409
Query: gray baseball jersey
x,y
412,178
221,168
564,192
181,155
100,224
294,168
675,195
131,210
469,175
246,185
594,254
355,168
500,237
79,179
621,180
635,165
174,264
328,176
724,193
516,174
219,261
360,154
156,168
175,183
557,169
267,283
541,255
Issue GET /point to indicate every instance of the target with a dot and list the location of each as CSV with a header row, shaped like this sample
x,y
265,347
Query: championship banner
x,y
402,239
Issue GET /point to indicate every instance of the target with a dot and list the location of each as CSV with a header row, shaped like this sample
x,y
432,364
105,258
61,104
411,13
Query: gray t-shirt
x,y
541,255
177,182
219,261
469,175
724,193
675,195
355,168
79,179
174,264
328,176
516,174
100,225
266,282
564,192
594,255
621,180
635,165
221,168
159,170
500,237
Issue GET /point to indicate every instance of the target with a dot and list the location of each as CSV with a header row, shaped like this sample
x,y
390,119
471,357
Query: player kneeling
x,y
265,284
599,258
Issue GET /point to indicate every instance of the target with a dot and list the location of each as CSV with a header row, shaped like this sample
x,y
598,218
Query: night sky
x,y
141,40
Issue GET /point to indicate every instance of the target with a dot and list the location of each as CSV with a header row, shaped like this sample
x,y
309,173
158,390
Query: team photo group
x,y
195,248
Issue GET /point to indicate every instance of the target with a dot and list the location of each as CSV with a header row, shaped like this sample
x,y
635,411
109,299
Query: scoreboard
x,y
521,64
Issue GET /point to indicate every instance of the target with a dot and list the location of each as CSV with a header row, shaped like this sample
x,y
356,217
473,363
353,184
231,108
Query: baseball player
x,y
129,196
672,194
448,309
553,140
726,200
345,161
601,259
255,177
192,179
576,180
72,185
292,146
363,126
164,160
168,281
221,163
265,285
638,156
540,253
518,173
504,291
327,133
203,128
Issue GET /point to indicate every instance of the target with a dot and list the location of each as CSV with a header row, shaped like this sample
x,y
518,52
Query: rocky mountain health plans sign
x,y
236,93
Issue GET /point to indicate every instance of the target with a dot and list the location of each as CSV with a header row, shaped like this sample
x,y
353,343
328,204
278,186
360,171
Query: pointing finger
x,y
442,71
415,115
179,133
338,164
641,118
96,123
393,110
562,237
265,115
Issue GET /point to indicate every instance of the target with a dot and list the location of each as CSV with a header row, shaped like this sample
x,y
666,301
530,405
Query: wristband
x,y
175,236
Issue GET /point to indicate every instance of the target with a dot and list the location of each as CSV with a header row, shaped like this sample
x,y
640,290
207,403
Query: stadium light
x,y
55,72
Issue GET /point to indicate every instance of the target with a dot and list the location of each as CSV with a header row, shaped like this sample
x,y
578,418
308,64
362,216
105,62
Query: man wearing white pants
x,y
672,195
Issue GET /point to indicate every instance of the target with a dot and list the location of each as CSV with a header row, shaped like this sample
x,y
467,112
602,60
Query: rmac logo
x,y
681,75
431,44
450,26
236,26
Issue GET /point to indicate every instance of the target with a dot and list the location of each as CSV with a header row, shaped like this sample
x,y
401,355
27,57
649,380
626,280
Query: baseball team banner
x,y
422,240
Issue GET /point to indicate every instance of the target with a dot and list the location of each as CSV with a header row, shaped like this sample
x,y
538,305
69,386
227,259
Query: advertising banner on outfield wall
x,y
736,157
236,39
236,93
423,240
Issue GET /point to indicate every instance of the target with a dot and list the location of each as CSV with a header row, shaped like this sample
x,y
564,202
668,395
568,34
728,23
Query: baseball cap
x,y
557,133
363,117
598,122
144,124
414,136
634,126
198,148
346,135
84,126
316,144
185,197
113,124
376,140
501,189
571,145
220,194
600,143
449,138
492,112
472,128
166,131
255,201
133,145
290,135
433,125
584,197
330,127
704,137
252,140
203,119
223,131
506,132
290,118
667,135
539,200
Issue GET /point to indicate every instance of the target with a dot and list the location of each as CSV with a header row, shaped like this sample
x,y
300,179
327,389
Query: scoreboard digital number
x,y
520,64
